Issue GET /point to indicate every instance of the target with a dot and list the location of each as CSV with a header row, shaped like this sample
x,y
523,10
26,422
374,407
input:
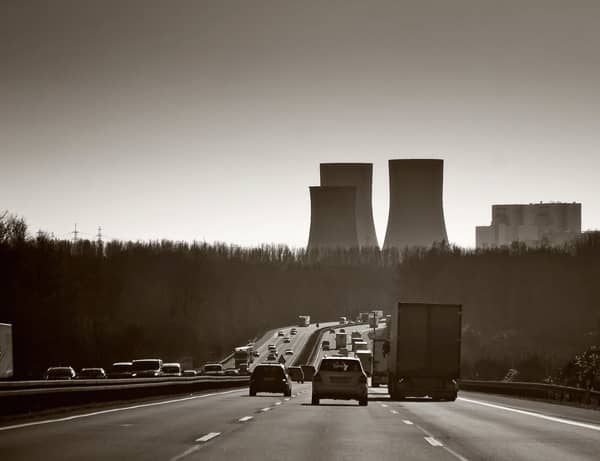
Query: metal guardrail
x,y
543,391
56,394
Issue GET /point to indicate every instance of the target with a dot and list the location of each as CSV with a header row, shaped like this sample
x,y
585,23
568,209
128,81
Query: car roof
x,y
277,364
171,364
92,369
60,368
329,357
122,363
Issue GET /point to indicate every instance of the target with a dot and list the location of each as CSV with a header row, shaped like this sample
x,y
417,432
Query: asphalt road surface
x,y
231,425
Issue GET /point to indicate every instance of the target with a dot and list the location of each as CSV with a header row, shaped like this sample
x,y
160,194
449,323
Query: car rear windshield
x,y
122,367
213,368
146,365
347,366
276,372
170,369
59,373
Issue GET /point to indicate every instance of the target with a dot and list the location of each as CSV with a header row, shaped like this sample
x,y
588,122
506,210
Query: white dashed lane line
x,y
384,405
245,418
207,437
394,412
265,409
433,442
406,421
278,403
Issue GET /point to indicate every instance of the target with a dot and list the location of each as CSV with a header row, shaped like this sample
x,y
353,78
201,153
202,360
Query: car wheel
x,y
287,393
315,400
363,402
252,392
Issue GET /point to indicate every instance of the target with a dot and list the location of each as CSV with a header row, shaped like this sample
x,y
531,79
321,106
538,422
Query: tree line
x,y
93,303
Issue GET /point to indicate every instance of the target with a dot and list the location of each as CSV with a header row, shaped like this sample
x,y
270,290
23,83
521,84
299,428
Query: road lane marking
x,y
394,412
207,437
245,418
265,409
187,452
433,442
114,410
286,399
406,421
449,450
555,419
278,402
384,405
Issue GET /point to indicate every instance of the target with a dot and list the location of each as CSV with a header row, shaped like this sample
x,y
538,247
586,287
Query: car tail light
x,y
317,378
363,378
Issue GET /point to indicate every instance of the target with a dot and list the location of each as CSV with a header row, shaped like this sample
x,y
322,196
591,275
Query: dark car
x,y
296,374
270,378
60,373
231,372
309,371
272,356
91,373
120,370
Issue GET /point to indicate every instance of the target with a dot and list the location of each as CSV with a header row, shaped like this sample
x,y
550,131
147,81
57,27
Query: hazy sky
x,y
208,120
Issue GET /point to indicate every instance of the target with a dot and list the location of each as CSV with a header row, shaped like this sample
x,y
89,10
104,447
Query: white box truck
x,y
425,351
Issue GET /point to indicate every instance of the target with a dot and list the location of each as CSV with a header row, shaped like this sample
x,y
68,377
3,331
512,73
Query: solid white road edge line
x,y
114,410
187,452
536,415
433,442
245,418
207,437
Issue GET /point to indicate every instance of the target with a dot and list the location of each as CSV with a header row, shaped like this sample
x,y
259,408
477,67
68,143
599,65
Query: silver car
x,y
340,378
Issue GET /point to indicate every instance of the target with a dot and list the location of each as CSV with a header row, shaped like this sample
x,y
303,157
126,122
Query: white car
x,y
340,378
289,352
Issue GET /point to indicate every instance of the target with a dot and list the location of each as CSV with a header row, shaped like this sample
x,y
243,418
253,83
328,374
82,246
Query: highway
x,y
231,425
228,424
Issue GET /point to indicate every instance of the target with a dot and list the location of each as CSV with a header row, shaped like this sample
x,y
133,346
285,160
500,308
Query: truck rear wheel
x,y
315,400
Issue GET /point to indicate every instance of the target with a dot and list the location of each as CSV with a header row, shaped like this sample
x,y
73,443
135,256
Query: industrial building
x,y
533,224
416,216
360,176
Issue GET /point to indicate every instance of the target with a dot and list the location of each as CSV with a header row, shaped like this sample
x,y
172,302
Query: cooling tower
x,y
332,218
359,175
416,216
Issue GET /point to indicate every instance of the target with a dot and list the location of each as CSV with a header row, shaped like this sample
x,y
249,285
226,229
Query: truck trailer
x,y
6,352
424,358
341,340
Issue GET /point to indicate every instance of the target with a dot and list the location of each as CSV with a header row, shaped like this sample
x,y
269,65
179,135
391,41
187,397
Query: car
x,y
280,333
213,369
287,340
325,345
256,354
188,373
342,330
146,368
267,377
271,346
171,369
120,370
332,331
289,352
91,373
296,374
61,373
272,356
231,372
340,378
293,331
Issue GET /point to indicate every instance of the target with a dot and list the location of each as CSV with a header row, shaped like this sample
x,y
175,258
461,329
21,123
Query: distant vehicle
x,y
425,351
256,354
243,370
272,356
325,345
121,370
343,320
343,351
293,331
289,352
355,334
341,339
303,320
381,352
270,378
147,368
91,373
188,373
296,374
272,347
340,378
59,373
280,333
366,360
231,372
6,351
287,340
243,354
212,369
171,369
332,331
360,346
342,330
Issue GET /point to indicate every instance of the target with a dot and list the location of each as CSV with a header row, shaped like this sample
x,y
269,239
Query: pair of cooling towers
x,y
342,213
